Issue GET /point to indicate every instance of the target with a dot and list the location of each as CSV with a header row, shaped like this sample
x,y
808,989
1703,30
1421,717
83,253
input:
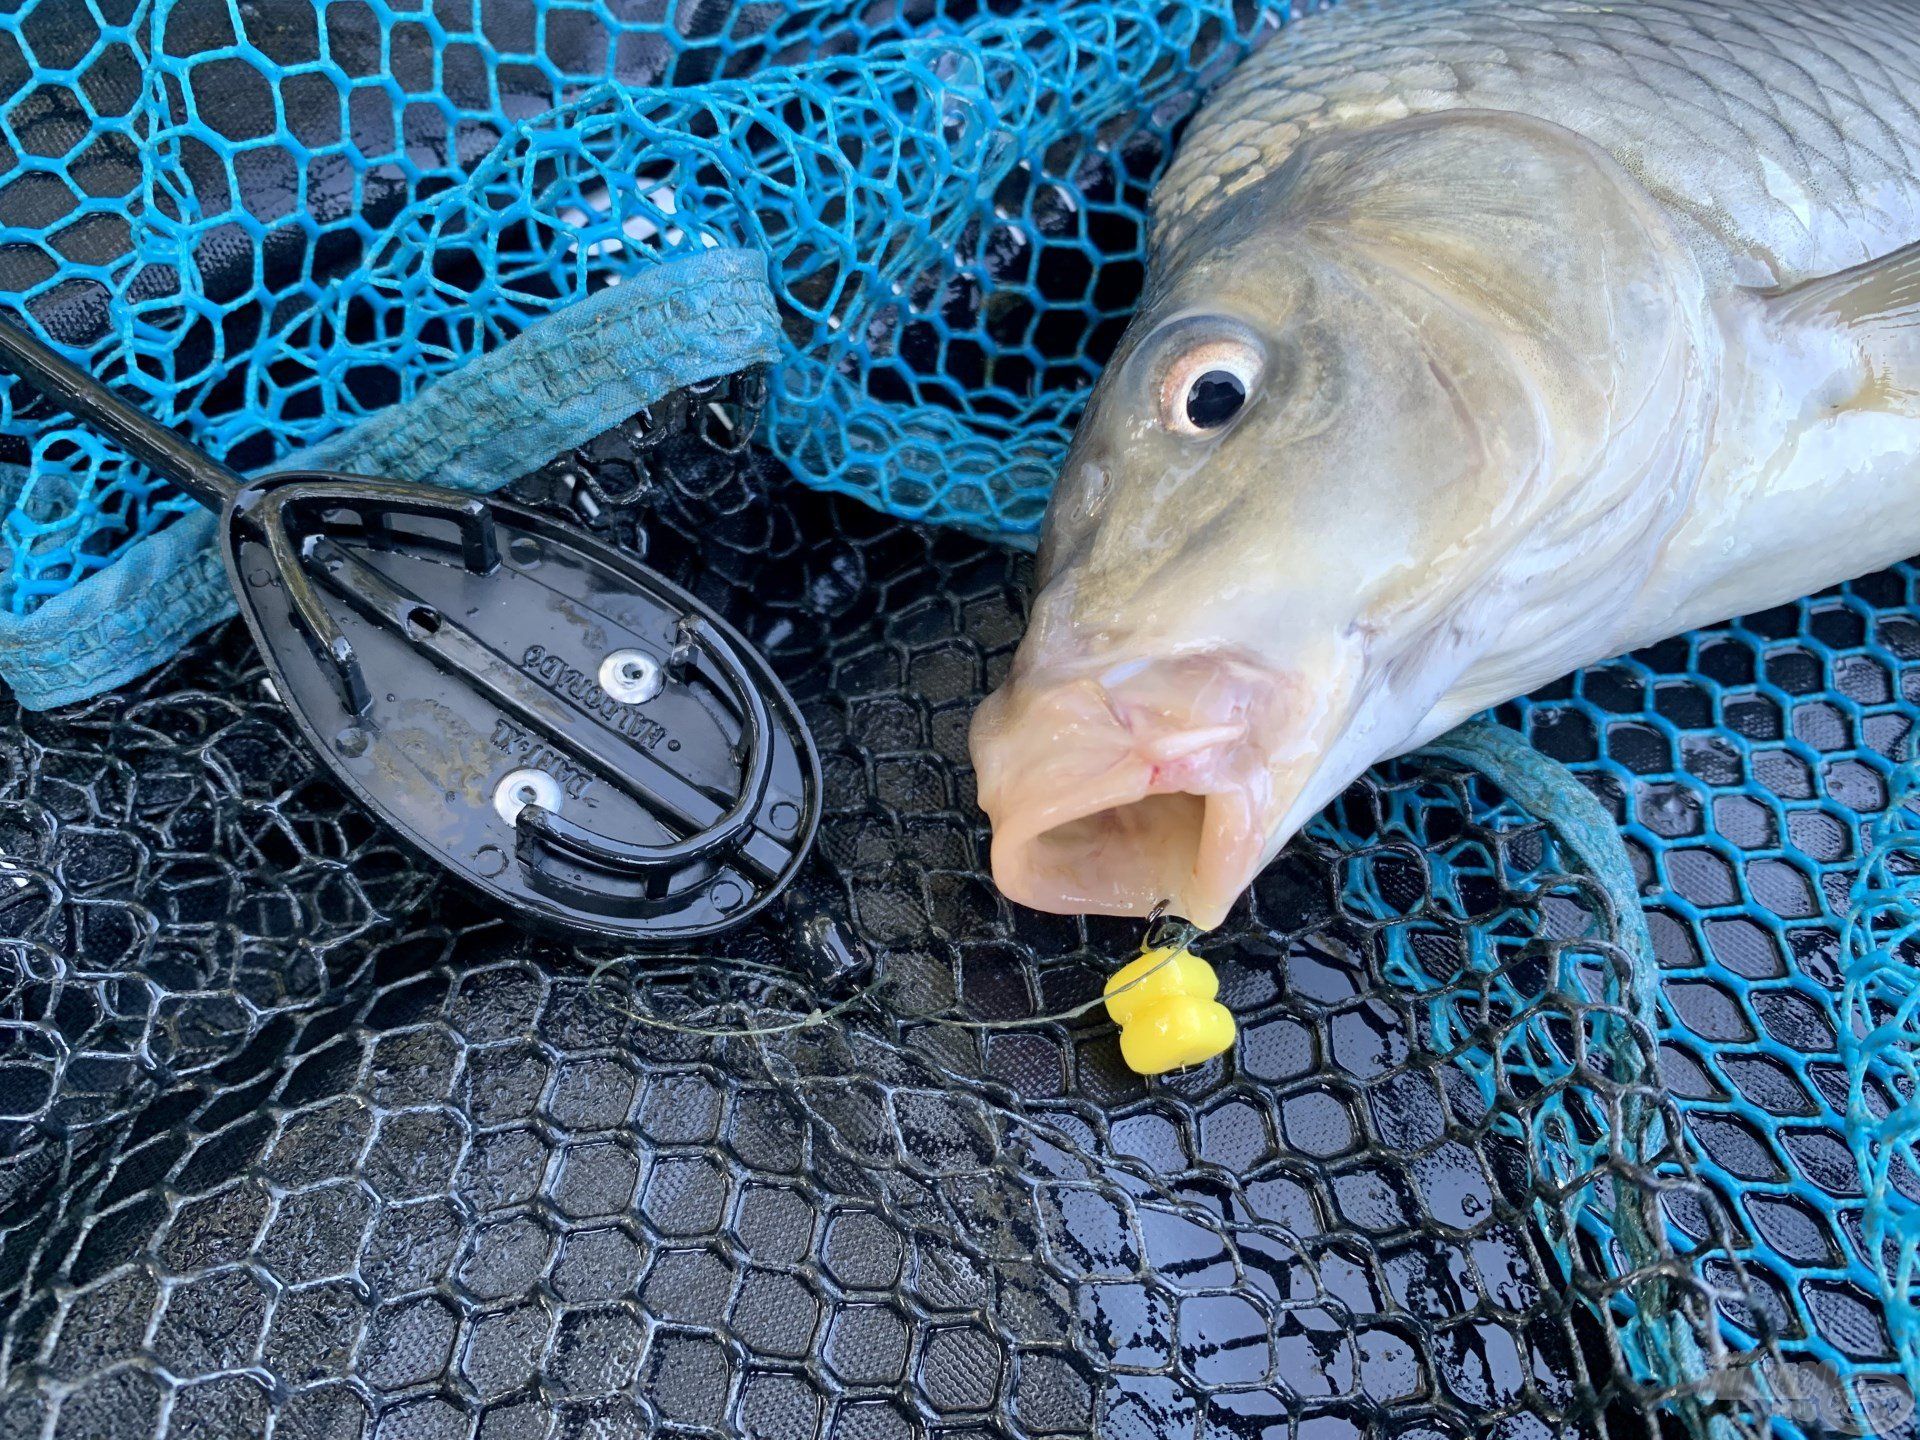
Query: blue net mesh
x,y
264,229
1754,773
1752,766
1880,1038
267,223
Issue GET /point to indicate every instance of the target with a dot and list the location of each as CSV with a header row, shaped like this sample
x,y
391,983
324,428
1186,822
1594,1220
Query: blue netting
x,y
1748,765
265,230
1880,1037
1753,773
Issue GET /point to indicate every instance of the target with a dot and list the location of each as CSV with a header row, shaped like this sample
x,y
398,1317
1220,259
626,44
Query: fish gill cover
x,y
297,1138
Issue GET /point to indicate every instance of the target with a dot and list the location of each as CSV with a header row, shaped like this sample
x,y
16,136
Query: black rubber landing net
x,y
298,1138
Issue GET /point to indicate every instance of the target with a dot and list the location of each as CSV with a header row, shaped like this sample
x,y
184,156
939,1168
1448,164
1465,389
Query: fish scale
x,y
1786,146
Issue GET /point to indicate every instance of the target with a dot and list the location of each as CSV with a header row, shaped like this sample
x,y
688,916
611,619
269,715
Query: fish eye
x,y
1207,385
1215,398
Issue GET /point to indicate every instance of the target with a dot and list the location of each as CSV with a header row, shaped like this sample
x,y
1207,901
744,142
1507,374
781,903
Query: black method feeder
x,y
564,729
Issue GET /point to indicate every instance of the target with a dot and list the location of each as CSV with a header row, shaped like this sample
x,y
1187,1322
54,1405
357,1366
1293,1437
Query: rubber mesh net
x,y
297,1138
296,1133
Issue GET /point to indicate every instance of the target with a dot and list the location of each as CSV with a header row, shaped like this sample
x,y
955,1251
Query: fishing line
x,y
1160,934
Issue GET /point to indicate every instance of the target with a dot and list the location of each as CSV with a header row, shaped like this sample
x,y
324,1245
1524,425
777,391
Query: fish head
x,y
1362,406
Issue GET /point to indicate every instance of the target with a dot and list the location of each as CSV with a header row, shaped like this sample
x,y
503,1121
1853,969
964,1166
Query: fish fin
x,y
1876,307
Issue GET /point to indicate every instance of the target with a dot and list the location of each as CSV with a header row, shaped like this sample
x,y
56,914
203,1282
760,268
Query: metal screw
x,y
521,788
631,676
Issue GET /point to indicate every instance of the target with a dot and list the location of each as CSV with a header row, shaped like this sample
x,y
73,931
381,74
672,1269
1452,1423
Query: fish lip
x,y
1225,857
1051,756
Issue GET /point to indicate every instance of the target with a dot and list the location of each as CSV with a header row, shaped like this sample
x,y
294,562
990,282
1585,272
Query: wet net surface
x,y
299,1138
294,1138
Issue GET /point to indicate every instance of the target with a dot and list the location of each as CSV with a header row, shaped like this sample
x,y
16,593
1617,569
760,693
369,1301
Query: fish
x,y
1481,340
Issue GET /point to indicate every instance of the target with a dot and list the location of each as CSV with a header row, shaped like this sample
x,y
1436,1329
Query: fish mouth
x,y
1111,796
